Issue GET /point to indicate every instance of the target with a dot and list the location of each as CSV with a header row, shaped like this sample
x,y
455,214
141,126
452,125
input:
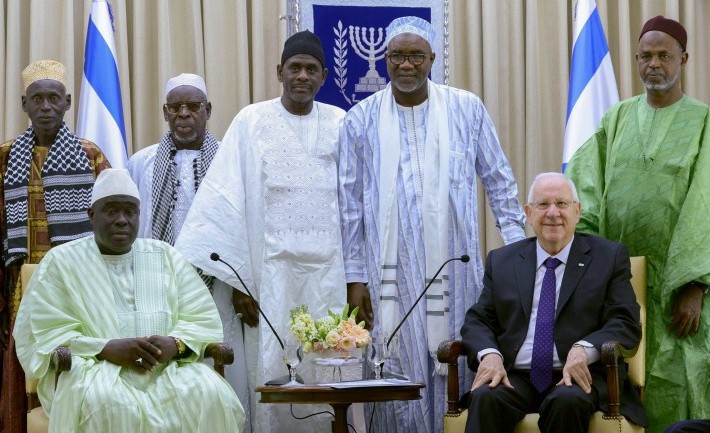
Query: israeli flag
x,y
592,85
100,117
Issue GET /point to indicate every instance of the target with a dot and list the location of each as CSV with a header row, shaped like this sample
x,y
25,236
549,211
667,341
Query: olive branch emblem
x,y
341,62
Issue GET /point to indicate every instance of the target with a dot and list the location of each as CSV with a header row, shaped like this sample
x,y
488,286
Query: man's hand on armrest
x,y
491,371
137,353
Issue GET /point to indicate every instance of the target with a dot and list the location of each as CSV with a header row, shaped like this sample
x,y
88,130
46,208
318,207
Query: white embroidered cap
x,y
193,80
114,181
411,24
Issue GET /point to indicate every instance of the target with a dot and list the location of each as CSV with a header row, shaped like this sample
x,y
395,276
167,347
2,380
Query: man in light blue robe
x,y
410,155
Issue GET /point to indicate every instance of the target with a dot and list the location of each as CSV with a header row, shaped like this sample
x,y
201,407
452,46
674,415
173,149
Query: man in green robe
x,y
644,178
136,317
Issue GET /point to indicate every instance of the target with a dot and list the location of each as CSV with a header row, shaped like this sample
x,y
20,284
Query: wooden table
x,y
339,399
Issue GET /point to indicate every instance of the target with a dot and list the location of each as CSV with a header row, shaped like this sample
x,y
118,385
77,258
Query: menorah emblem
x,y
369,48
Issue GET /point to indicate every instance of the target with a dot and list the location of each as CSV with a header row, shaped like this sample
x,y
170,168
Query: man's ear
x,y
279,72
208,109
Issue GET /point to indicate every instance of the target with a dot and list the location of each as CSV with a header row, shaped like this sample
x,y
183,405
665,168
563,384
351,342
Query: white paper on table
x,y
368,383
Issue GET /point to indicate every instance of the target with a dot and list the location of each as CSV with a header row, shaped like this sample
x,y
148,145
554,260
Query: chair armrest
x,y
611,352
61,359
448,353
222,355
610,357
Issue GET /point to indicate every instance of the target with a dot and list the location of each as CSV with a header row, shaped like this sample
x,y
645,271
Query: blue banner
x,y
353,38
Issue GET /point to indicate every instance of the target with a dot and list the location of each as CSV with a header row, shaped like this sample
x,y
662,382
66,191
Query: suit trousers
x,y
690,426
561,408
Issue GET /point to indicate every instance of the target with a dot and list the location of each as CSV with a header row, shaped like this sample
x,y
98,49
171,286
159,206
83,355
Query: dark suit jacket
x,y
596,304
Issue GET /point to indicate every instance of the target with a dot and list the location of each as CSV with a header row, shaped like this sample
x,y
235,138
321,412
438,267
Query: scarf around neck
x,y
67,179
435,211
165,183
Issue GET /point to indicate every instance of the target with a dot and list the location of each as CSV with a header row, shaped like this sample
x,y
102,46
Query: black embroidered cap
x,y
304,42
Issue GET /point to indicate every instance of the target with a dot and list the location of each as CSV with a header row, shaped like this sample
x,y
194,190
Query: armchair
x,y
455,417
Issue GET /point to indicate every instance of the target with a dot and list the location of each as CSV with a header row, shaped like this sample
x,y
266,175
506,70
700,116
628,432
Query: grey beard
x,y
184,139
661,86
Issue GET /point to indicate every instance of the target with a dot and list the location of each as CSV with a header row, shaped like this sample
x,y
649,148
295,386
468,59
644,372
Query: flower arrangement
x,y
337,332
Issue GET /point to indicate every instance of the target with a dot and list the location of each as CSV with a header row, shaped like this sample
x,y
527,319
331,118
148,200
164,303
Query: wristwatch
x,y
181,347
703,287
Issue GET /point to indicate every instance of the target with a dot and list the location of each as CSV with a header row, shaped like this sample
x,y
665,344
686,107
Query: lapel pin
x,y
581,264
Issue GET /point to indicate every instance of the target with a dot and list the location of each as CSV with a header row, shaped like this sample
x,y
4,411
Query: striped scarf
x,y
165,183
67,179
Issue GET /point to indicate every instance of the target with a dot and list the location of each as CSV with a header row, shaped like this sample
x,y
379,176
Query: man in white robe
x,y
136,317
269,207
410,155
168,175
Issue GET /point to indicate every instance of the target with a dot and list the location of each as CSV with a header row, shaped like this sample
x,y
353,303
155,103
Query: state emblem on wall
x,y
353,37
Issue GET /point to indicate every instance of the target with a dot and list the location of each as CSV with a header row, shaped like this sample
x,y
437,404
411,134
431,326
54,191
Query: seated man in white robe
x,y
136,317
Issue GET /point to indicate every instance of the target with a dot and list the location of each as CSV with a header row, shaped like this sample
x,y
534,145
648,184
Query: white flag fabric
x,y
100,117
592,85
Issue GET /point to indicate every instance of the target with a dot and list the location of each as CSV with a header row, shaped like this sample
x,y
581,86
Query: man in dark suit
x,y
548,304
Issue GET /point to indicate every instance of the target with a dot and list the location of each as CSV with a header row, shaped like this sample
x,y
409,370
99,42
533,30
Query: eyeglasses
x,y
175,108
414,59
544,205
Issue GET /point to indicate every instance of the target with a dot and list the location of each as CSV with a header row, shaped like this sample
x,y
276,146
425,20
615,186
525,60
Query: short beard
x,y
662,86
300,98
185,140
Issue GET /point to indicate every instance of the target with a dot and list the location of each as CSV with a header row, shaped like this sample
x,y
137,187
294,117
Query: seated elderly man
x,y
547,306
136,317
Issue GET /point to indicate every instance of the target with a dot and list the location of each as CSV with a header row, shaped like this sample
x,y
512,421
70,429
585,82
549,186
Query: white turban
x,y
411,24
114,181
193,80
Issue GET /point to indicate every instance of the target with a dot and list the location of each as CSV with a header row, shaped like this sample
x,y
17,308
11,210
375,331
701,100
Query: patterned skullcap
x,y
114,181
415,25
193,80
666,25
304,42
44,70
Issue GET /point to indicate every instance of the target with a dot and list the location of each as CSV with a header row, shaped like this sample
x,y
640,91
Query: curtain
x,y
514,54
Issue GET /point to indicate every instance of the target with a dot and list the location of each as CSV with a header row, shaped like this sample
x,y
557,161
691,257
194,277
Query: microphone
x,y
464,258
215,258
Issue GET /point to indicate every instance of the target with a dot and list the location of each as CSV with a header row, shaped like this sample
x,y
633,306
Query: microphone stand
x,y
215,258
280,380
464,258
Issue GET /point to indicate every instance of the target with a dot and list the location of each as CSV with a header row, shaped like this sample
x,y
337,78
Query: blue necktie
x,y
541,366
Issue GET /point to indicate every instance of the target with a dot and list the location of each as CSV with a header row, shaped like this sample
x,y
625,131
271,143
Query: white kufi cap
x,y
193,80
114,181
416,25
